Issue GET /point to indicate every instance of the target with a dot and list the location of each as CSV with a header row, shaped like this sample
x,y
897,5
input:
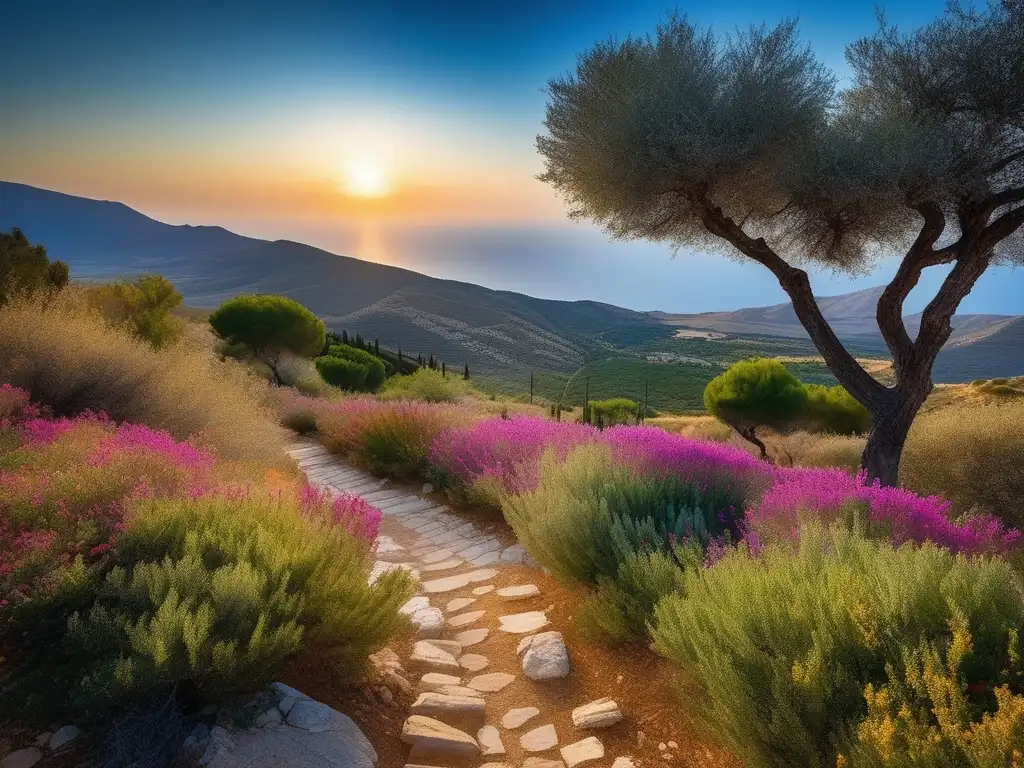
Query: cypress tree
x,y
444,372
376,347
344,337
465,372
531,387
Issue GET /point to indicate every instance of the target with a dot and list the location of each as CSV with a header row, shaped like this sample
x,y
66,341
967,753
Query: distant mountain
x,y
458,322
982,346
494,331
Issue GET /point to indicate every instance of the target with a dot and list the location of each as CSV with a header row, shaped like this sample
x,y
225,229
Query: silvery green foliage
x,y
755,123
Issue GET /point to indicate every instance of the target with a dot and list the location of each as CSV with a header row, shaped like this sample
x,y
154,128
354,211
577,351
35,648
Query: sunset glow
x,y
366,178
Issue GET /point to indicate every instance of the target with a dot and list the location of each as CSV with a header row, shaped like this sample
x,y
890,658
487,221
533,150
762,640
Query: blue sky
x,y
248,114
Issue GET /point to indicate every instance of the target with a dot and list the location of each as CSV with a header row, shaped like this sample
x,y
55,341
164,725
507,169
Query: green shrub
x,y
427,385
270,327
833,410
342,373
375,371
785,644
624,534
211,598
142,305
971,455
25,268
756,393
609,413
71,359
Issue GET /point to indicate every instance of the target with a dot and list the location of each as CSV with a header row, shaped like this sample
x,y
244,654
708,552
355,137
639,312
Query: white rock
x,y
463,619
513,554
491,682
521,592
473,662
472,637
546,657
218,748
414,604
583,751
271,717
490,741
598,714
441,706
430,736
64,736
539,739
427,488
22,758
437,653
429,622
516,717
434,680
520,623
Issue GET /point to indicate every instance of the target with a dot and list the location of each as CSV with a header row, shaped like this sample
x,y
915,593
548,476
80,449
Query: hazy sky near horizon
x,y
253,115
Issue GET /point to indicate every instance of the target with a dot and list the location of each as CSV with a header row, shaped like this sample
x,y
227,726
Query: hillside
x,y
459,322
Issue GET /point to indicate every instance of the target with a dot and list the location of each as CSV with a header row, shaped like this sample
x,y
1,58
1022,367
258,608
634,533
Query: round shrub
x,y
342,373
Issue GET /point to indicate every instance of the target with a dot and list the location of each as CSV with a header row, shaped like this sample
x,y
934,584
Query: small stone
x,y
516,717
513,554
667,757
483,590
395,682
22,758
434,680
582,751
662,746
546,657
441,706
618,680
428,735
599,714
64,736
673,745
427,488
491,682
465,618
490,741
522,592
472,637
520,623
43,739
473,662
539,739
459,603
623,762
272,717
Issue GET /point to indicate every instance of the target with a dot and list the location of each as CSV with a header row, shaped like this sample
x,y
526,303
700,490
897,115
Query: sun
x,y
366,178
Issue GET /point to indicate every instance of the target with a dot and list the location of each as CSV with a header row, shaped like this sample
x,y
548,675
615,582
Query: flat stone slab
x,y
463,619
444,565
583,751
597,714
517,717
490,741
473,662
430,736
478,591
483,574
459,690
623,762
447,584
435,680
522,592
487,558
491,682
545,656
521,623
541,762
22,758
437,653
441,706
459,603
539,739
472,637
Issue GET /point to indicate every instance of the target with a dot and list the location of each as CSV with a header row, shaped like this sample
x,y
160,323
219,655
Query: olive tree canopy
x,y
744,144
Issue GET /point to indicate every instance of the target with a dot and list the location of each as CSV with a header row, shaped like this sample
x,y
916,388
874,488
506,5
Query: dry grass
x,y
972,455
982,392
69,358
808,449
697,427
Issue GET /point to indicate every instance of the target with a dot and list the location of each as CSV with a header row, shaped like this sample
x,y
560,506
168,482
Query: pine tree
x,y
531,387
344,337
465,372
376,347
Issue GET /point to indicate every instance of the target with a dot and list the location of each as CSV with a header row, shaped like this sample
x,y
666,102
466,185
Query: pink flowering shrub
x,y
391,438
15,407
501,453
894,514
358,517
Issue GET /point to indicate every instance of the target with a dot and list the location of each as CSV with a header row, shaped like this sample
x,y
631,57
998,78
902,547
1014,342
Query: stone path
x,y
452,723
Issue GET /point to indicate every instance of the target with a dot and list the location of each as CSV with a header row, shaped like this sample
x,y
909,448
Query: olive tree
x,y
25,268
745,143
268,326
